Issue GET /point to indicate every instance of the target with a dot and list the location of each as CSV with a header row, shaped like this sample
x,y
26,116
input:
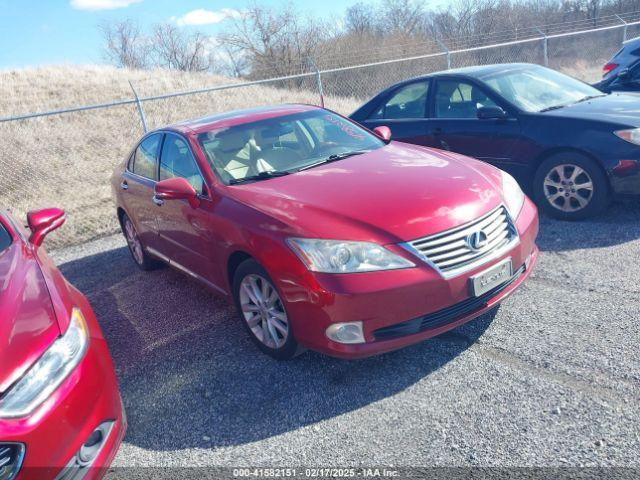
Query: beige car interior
x,y
245,153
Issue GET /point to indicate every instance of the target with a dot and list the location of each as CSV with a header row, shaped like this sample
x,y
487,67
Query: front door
x,y
455,124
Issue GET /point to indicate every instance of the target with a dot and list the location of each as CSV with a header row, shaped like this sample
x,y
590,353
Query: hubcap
x,y
132,240
568,188
263,311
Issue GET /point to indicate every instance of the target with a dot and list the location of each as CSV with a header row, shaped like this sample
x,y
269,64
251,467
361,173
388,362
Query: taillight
x,y
609,67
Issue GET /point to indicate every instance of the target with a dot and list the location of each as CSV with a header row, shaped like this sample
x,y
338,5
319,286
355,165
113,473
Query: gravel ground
x,y
550,379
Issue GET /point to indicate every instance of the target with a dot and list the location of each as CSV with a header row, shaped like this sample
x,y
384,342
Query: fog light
x,y
349,332
92,446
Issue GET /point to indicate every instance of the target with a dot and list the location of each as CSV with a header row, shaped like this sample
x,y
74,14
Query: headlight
x,y
337,256
513,195
48,372
631,136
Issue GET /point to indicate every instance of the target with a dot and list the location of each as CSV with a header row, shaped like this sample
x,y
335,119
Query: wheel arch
x,y
233,262
539,160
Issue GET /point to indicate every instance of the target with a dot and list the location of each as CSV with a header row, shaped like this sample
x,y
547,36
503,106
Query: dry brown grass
x,y
66,160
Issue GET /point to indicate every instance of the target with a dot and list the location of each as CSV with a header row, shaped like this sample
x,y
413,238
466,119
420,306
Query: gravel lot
x,y
550,379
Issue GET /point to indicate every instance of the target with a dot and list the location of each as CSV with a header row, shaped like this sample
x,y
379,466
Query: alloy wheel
x,y
263,311
133,241
568,187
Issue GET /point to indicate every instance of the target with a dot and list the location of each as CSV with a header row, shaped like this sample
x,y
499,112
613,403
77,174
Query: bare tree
x,y
177,50
273,42
360,19
125,45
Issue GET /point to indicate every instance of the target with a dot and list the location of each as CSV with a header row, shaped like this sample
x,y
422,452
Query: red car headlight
x,y
48,372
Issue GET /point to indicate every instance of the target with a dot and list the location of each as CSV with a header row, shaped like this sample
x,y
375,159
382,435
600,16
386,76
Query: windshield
x,y
535,89
287,143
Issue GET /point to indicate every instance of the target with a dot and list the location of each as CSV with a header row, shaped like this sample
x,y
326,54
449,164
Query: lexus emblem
x,y
477,240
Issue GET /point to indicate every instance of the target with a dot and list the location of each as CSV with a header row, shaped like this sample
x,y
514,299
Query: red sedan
x,y
60,410
324,234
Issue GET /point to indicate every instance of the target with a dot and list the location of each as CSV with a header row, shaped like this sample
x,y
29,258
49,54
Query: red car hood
x,y
397,193
28,324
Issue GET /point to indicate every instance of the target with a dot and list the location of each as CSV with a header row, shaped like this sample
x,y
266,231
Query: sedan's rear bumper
x,y
402,307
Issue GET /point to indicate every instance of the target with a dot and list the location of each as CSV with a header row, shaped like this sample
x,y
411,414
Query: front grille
x,y
451,252
11,455
446,315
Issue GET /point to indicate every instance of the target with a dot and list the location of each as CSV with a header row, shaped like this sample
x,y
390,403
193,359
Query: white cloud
x,y
206,17
101,4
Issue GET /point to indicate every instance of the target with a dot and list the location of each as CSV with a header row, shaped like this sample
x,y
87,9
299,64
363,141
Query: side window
x,y
177,161
455,99
145,157
409,101
5,238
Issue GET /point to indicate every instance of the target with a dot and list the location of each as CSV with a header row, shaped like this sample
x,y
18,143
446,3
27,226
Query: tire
x,y
141,258
555,187
262,311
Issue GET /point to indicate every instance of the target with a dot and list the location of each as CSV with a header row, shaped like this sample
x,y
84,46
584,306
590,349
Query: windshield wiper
x,y
590,97
259,176
333,158
554,107
584,99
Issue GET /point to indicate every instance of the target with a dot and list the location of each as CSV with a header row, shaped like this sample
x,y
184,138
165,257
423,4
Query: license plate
x,y
491,278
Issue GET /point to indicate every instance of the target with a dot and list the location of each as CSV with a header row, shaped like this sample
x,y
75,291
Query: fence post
x,y
545,46
318,80
446,51
140,110
624,31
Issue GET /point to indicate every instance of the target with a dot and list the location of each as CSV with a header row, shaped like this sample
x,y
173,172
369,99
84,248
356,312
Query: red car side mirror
x,y
383,132
177,189
43,222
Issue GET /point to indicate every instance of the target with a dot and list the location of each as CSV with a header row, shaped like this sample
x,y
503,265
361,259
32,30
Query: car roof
x,y
237,117
477,71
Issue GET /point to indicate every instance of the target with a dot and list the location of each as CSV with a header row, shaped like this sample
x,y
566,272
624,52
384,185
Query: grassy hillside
x,y
66,160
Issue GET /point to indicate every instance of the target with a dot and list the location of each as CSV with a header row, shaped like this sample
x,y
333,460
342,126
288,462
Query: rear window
x,y
5,238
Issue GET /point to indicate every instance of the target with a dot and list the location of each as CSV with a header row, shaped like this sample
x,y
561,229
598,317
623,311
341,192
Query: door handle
x,y
437,131
158,201
124,185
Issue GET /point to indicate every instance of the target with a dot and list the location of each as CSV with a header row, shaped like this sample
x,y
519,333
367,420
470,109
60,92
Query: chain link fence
x,y
65,157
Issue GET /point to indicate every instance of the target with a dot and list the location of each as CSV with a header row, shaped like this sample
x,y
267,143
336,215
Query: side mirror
x,y
491,113
383,132
43,222
176,189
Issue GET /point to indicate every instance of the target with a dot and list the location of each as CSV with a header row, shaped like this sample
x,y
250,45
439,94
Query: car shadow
x,y
191,377
620,223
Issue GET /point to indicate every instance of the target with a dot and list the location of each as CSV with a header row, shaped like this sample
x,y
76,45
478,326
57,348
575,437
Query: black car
x,y
571,145
622,72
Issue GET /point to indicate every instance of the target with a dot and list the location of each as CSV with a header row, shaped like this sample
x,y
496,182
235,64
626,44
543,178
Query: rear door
x,y
455,125
186,233
138,183
404,112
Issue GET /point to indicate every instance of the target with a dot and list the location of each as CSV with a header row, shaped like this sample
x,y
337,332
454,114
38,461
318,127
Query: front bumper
x,y
384,301
55,432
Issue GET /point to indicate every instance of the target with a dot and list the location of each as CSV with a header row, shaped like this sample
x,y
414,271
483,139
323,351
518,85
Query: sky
x,y
52,32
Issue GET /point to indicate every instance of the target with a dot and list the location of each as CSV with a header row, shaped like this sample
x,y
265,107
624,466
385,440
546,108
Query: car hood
x,y
28,324
397,193
618,108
